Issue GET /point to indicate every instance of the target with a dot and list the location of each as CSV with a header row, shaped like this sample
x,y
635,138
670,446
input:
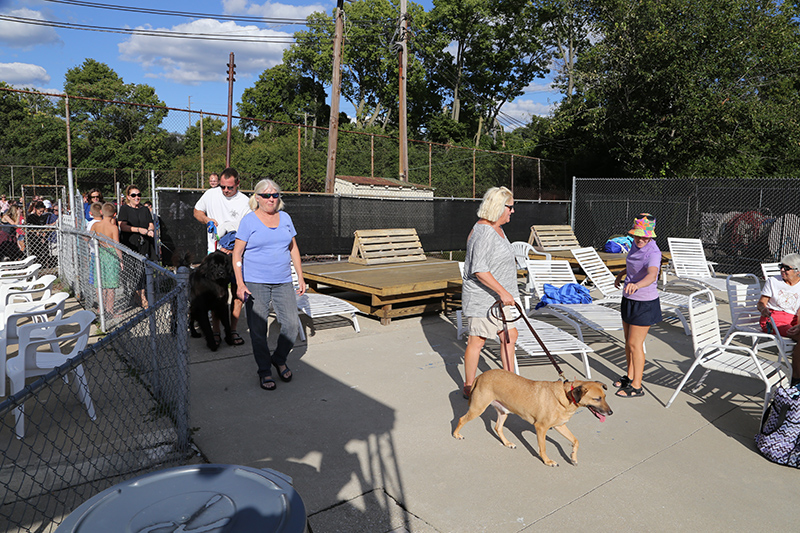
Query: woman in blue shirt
x,y
263,254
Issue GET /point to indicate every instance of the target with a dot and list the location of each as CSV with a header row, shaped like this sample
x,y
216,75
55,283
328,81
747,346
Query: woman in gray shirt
x,y
490,274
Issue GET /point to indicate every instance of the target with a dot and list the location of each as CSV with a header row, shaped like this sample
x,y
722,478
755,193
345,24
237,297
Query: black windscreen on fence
x,y
742,222
325,224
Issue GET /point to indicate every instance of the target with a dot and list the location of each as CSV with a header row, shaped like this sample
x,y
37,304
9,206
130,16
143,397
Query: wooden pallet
x,y
553,238
382,246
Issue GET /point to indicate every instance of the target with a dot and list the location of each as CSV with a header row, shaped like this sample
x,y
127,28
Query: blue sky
x,y
181,70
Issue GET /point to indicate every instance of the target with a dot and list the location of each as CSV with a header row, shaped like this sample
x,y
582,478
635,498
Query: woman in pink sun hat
x,y
640,306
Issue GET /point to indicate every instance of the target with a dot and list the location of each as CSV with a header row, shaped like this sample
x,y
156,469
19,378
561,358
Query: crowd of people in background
x,y
15,238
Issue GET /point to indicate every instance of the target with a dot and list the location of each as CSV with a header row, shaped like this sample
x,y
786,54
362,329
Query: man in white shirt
x,y
225,206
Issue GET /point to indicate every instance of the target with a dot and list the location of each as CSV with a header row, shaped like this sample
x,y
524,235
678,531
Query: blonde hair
x,y
109,209
494,202
262,186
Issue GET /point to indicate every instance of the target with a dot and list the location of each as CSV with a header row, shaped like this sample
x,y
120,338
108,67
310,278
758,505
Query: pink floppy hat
x,y
644,225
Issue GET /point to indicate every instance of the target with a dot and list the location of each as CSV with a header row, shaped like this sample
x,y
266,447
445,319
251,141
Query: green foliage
x,y
680,87
112,135
32,131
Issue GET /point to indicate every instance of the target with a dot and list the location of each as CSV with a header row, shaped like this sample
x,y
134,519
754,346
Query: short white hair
x,y
262,186
494,202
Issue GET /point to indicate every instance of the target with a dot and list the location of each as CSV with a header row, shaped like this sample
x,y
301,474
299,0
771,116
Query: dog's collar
x,y
571,396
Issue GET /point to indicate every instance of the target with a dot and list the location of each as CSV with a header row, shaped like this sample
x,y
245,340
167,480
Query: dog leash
x,y
497,312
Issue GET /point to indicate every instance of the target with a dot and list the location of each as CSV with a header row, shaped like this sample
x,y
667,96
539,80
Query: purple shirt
x,y
636,265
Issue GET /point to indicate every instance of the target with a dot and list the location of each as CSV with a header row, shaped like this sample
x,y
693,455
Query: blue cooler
x,y
208,498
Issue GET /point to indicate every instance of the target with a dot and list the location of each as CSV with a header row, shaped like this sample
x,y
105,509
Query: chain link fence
x,y
742,222
138,381
114,144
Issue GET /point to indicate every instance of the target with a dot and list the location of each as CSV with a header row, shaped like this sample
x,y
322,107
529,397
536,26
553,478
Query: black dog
x,y
208,291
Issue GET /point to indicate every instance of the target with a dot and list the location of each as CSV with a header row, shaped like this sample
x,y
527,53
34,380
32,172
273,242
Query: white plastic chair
x,y
26,291
690,265
18,265
31,362
315,305
24,274
602,278
770,270
522,252
712,353
40,311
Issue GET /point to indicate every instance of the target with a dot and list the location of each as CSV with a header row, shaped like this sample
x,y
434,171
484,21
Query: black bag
x,y
779,439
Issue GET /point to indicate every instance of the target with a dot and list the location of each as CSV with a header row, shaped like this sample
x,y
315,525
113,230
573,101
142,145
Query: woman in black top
x,y
136,231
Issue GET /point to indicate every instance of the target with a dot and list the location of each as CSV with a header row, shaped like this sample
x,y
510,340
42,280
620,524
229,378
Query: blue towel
x,y
571,293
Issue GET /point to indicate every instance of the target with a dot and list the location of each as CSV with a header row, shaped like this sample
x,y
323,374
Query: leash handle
x,y
497,312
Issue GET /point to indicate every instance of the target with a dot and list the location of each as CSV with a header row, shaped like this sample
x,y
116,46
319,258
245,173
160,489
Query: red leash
x,y
497,312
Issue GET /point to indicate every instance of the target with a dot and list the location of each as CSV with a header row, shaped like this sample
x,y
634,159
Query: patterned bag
x,y
779,439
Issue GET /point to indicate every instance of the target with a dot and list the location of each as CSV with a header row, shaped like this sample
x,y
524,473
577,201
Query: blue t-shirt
x,y
266,256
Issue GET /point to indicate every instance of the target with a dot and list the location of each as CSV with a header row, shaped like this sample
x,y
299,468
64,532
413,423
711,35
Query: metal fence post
x,y
151,301
572,209
98,283
181,332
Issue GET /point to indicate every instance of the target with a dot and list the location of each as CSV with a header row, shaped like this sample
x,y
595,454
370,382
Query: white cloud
x,y
20,35
191,62
272,9
523,109
23,74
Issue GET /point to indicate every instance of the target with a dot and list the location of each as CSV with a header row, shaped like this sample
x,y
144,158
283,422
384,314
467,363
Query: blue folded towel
x,y
571,293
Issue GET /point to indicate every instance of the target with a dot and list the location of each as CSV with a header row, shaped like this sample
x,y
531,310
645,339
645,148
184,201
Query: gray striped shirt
x,y
487,252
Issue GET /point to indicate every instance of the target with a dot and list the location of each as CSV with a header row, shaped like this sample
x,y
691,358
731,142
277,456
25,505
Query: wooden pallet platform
x,y
553,238
388,291
385,246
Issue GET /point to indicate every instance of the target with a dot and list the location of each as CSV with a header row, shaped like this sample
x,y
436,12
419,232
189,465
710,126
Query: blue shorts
x,y
638,313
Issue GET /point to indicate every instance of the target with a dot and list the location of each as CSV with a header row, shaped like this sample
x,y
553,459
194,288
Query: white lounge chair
x,y
18,265
315,305
558,341
598,317
712,353
522,252
603,279
690,265
770,270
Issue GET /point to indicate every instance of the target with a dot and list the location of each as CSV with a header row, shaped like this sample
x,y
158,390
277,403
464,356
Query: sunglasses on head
x,y
269,194
226,187
135,194
786,267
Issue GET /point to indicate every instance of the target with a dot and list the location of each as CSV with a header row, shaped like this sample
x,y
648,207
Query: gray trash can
x,y
208,498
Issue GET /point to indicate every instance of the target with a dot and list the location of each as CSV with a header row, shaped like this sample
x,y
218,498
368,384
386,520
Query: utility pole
x,y
231,74
336,82
403,46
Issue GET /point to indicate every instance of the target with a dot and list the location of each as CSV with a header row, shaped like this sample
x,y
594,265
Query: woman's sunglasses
x,y
135,194
786,267
646,216
266,195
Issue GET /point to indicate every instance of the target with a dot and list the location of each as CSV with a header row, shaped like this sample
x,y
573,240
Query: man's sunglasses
x,y
266,195
786,267
226,187
133,195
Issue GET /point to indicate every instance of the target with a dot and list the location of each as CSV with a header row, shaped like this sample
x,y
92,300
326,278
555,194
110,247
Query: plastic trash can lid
x,y
208,498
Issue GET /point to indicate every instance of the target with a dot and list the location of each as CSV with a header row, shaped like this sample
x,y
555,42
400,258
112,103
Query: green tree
x,y
499,49
31,130
282,94
679,87
107,131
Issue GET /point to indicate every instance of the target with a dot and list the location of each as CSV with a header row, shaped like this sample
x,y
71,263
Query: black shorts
x,y
638,313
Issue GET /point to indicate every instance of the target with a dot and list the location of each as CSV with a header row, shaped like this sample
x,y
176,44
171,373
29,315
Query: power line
x,y
152,33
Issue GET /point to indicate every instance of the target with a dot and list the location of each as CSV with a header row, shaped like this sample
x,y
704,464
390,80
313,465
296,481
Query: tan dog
x,y
545,404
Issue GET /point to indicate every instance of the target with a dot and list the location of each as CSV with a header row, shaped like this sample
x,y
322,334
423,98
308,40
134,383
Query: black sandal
x,y
235,339
622,382
267,383
285,375
630,392
466,391
217,339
